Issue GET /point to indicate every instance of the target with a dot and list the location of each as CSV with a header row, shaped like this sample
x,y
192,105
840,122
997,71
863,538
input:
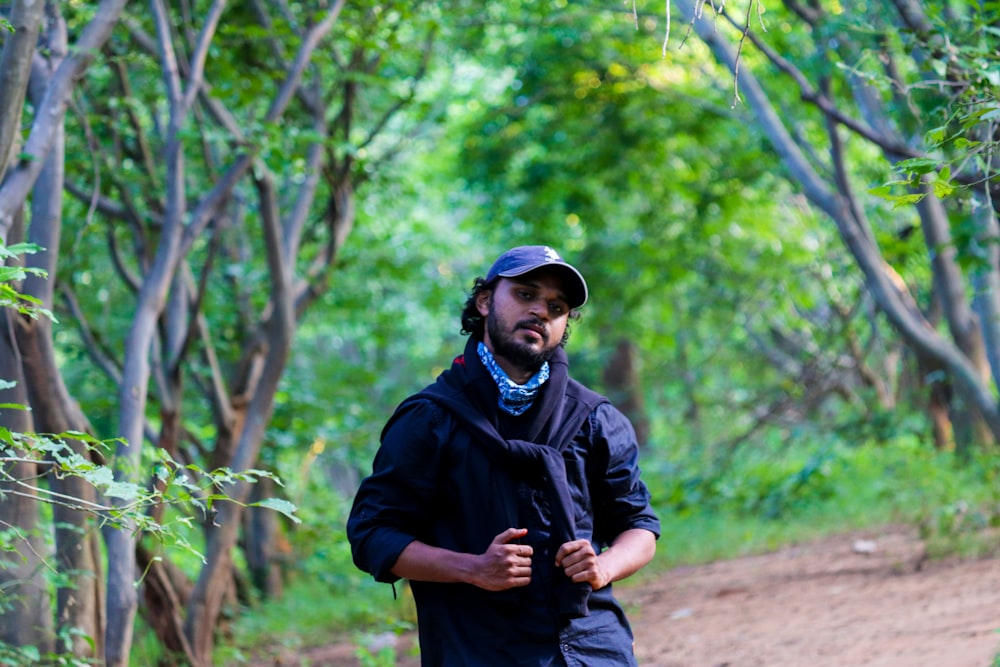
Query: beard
x,y
518,353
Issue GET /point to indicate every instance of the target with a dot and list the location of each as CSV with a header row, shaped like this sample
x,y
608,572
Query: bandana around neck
x,y
515,399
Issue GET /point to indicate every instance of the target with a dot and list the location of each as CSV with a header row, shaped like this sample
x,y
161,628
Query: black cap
x,y
527,258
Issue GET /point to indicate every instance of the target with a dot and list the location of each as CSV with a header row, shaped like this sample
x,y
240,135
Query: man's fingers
x,y
510,535
568,549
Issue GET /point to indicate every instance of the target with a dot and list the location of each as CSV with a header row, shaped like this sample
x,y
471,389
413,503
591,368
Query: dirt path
x,y
867,599
831,603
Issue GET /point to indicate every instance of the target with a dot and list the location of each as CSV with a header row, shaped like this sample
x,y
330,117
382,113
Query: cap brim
x,y
576,289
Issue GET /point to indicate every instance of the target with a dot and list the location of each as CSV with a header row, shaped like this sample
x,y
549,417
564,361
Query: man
x,y
507,493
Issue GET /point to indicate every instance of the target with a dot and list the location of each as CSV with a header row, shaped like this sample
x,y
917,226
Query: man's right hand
x,y
505,565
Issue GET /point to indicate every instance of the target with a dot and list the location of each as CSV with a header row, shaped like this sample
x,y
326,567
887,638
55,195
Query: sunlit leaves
x,y
179,485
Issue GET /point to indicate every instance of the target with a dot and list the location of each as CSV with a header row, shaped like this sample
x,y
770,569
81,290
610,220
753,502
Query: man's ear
x,y
483,302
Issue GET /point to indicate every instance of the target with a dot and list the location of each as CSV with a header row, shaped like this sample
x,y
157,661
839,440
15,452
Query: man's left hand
x,y
581,564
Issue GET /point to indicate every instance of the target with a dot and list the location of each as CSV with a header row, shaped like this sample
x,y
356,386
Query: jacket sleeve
x,y
622,500
391,504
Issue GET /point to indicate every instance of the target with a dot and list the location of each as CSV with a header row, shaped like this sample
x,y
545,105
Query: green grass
x,y
811,494
763,501
313,614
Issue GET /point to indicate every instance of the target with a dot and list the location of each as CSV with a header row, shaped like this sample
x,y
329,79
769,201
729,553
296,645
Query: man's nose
x,y
540,309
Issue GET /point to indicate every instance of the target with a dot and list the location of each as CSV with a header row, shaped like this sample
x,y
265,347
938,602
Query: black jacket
x,y
454,471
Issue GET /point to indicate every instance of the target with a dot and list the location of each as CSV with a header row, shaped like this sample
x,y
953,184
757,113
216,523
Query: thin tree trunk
x,y
261,543
15,70
80,603
165,591
49,114
969,428
987,279
624,388
25,615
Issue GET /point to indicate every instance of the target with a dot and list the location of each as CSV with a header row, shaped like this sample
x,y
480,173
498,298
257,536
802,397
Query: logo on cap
x,y
551,255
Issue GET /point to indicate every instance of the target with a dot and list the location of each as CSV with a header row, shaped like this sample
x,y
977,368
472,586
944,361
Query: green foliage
x,y
20,656
770,496
968,522
959,119
12,273
177,485
382,657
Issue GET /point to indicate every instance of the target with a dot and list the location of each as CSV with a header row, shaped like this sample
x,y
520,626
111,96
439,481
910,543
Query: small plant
x,y
377,650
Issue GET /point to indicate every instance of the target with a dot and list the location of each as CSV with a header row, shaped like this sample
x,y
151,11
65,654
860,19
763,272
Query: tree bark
x,y
262,542
212,584
969,428
624,388
80,603
986,280
51,111
165,591
25,616
15,70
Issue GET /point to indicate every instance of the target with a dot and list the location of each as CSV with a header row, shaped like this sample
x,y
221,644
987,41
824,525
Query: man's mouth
x,y
537,329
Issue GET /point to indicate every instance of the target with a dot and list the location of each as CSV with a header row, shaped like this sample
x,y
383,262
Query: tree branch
x,y
49,117
822,102
101,355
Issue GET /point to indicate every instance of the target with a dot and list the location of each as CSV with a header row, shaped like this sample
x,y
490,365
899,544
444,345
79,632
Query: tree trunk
x,y
261,542
624,388
15,70
80,603
216,576
986,280
949,284
25,612
933,383
49,115
165,590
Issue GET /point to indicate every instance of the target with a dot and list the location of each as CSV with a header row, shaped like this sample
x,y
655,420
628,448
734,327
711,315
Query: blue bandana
x,y
514,398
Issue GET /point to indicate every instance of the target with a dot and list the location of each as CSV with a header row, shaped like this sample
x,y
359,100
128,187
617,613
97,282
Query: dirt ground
x,y
863,599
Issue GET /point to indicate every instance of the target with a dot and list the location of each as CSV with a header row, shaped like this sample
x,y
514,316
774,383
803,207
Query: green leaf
x,y
937,135
906,200
23,249
279,505
123,490
962,142
9,273
918,165
943,188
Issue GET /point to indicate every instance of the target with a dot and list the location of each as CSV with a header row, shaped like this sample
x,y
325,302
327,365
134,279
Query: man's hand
x,y
504,565
581,564
628,553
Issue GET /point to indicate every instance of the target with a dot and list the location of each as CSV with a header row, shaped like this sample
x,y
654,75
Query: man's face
x,y
526,318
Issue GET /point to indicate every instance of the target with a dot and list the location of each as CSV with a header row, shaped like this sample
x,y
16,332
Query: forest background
x,y
236,235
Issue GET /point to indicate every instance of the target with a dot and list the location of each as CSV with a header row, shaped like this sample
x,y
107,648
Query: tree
x,y
222,160
888,82
586,139
52,75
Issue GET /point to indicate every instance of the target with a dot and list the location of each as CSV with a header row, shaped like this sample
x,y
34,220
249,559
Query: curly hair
x,y
474,324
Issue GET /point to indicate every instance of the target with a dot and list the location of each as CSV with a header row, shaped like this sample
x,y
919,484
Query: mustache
x,y
533,323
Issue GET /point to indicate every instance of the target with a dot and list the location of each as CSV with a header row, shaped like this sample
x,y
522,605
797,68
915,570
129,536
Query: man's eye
x,y
557,308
